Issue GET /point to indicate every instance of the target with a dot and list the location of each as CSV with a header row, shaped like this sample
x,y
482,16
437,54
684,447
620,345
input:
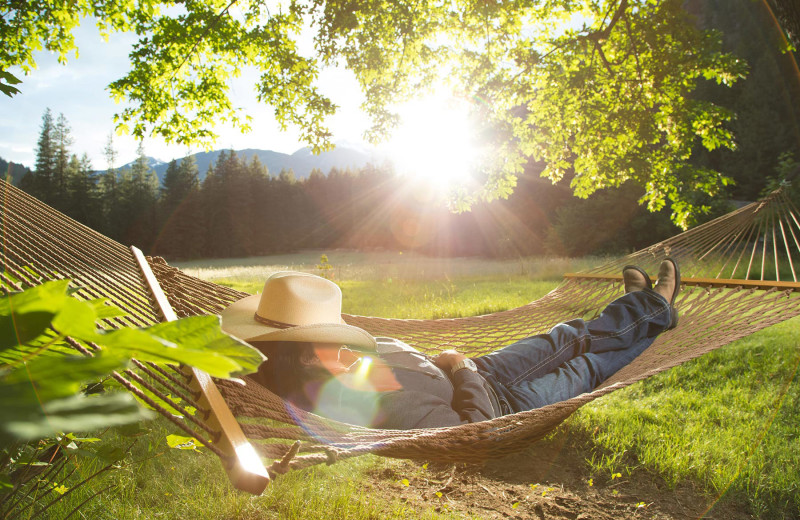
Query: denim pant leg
x,y
575,377
625,327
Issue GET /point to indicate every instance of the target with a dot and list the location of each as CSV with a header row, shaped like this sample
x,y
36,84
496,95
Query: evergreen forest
x,y
242,209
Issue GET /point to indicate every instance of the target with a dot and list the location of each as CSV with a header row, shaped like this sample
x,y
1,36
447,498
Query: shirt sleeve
x,y
471,400
406,409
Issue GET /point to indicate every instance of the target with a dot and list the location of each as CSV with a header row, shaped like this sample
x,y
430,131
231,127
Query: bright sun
x,y
435,142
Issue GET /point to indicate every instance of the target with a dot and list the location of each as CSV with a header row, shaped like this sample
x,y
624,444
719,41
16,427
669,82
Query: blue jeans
x,y
575,356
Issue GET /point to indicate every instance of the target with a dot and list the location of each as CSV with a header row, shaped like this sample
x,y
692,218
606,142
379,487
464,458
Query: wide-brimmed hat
x,y
294,307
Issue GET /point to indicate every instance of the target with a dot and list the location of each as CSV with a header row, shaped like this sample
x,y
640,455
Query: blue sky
x,y
78,90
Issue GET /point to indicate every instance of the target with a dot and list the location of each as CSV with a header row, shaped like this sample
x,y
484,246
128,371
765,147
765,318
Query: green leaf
x,y
197,341
104,310
46,378
78,320
22,328
27,315
9,78
74,413
204,333
34,348
183,443
47,297
6,81
9,90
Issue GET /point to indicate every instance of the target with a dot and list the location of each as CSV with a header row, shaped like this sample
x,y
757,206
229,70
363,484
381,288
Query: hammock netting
x,y
739,276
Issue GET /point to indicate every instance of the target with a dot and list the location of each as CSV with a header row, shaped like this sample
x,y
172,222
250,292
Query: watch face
x,y
467,364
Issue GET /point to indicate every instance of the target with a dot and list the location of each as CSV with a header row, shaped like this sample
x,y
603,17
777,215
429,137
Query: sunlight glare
x,y
435,142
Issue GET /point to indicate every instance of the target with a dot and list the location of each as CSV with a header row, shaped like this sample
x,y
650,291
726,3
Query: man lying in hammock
x,y
319,363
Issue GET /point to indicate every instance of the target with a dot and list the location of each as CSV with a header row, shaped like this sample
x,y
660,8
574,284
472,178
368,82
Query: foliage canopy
x,y
599,90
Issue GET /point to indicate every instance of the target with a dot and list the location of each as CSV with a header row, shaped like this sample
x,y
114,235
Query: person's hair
x,y
292,371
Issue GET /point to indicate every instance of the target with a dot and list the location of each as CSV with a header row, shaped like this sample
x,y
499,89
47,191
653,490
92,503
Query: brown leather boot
x,y
668,285
635,279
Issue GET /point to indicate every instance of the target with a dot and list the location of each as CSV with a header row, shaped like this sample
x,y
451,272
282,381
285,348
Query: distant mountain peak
x,y
303,152
153,162
301,162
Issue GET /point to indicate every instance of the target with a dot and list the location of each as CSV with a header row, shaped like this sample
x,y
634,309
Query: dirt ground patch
x,y
549,481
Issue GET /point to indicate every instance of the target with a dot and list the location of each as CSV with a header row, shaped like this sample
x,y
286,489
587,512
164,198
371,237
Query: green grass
x,y
360,266
728,421
442,298
160,482
429,299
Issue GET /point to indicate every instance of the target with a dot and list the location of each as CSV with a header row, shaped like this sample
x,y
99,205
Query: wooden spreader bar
x,y
245,469
701,282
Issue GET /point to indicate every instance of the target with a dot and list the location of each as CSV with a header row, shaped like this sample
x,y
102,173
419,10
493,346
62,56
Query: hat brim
x,y
238,321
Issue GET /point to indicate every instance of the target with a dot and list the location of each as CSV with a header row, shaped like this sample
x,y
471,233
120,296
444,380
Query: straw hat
x,y
294,307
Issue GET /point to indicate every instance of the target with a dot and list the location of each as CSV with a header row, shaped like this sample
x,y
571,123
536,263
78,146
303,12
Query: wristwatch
x,y
466,363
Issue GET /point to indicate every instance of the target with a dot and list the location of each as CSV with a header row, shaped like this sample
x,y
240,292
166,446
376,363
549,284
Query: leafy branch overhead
x,y
43,380
600,91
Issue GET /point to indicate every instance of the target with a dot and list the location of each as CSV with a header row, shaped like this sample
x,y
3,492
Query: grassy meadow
x,y
728,421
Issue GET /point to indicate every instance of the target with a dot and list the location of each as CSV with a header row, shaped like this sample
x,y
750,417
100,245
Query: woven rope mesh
x,y
756,242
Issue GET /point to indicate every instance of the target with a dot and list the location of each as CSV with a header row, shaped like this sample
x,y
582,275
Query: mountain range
x,y
300,162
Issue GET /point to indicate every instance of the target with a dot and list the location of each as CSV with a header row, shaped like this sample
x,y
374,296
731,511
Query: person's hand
x,y
447,359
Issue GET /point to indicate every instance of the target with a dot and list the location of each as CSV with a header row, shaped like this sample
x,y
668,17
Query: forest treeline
x,y
241,209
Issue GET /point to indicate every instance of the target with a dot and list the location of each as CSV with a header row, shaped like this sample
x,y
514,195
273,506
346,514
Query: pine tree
x,y
191,210
139,194
109,187
315,190
179,180
287,176
179,214
231,193
62,140
84,202
213,197
45,152
238,205
39,182
266,208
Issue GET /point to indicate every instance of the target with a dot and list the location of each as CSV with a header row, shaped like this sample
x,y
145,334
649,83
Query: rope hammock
x,y
739,276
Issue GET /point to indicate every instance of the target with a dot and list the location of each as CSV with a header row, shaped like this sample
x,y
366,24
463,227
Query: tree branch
x,y
599,49
603,34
